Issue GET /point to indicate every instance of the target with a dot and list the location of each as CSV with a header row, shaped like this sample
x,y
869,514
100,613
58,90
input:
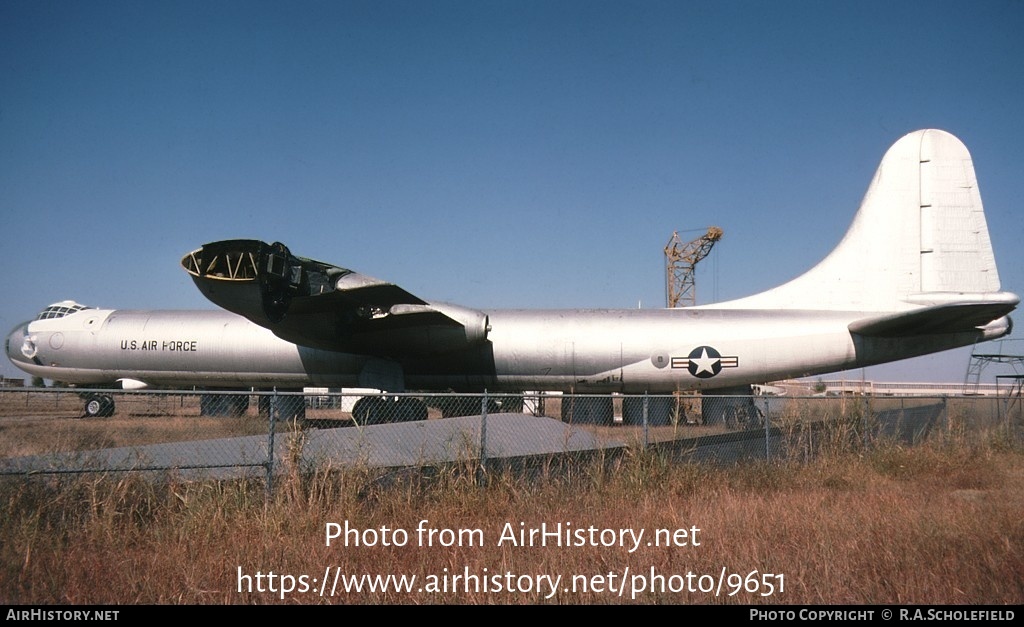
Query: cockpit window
x,y
61,309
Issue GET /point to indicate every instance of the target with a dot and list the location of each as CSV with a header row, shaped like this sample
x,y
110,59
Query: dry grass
x,y
937,524
50,421
38,435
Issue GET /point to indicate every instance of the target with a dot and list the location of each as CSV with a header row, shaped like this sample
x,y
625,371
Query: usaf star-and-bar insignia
x,y
705,362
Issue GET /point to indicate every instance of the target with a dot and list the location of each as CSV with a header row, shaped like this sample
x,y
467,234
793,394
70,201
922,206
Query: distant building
x,y
878,388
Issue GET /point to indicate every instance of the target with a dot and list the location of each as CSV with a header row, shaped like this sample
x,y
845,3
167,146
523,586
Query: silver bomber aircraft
x,y
915,274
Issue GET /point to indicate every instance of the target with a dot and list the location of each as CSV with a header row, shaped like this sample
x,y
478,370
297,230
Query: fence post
x,y
765,422
865,423
270,445
1002,418
647,440
483,437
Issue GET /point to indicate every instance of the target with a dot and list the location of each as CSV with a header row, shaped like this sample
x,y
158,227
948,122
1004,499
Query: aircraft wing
x,y
315,304
955,317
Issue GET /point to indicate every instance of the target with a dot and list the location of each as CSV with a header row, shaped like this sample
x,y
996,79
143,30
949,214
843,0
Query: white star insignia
x,y
704,363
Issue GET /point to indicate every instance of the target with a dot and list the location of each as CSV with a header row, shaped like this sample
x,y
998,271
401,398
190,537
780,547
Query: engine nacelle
x,y
475,324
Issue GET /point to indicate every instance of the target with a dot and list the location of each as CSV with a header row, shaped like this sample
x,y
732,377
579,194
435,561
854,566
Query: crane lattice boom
x,y
680,264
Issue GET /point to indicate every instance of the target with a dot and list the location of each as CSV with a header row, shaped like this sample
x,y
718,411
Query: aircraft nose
x,y
19,346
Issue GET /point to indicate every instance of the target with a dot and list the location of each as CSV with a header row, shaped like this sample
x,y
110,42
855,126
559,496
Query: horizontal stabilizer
x,y
945,318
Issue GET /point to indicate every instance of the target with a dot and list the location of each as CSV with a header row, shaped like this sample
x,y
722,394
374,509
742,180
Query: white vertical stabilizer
x,y
919,237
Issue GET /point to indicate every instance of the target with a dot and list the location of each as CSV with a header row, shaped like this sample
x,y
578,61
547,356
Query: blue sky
x,y
489,153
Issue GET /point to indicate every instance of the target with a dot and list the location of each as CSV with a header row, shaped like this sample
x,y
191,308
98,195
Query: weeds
x,y
845,523
894,525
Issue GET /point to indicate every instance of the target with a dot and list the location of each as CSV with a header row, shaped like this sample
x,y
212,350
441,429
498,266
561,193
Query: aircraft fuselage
x,y
629,351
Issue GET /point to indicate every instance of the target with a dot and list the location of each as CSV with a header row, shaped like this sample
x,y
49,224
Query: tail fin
x,y
919,238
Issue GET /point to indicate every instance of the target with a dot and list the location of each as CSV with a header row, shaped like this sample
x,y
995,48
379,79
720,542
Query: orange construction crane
x,y
681,262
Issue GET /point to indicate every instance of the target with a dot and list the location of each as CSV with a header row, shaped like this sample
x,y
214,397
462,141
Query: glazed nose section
x,y
20,348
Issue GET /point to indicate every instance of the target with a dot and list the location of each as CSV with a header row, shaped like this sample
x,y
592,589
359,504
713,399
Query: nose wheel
x,y
99,406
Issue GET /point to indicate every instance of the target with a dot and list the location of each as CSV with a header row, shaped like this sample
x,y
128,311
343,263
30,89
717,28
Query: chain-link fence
x,y
258,434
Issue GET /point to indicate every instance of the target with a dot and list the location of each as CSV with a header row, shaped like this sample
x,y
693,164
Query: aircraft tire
x,y
369,411
93,406
468,406
378,411
409,410
99,406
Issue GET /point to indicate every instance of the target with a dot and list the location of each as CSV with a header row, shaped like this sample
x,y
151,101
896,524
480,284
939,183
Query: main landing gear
x,y
376,410
99,405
